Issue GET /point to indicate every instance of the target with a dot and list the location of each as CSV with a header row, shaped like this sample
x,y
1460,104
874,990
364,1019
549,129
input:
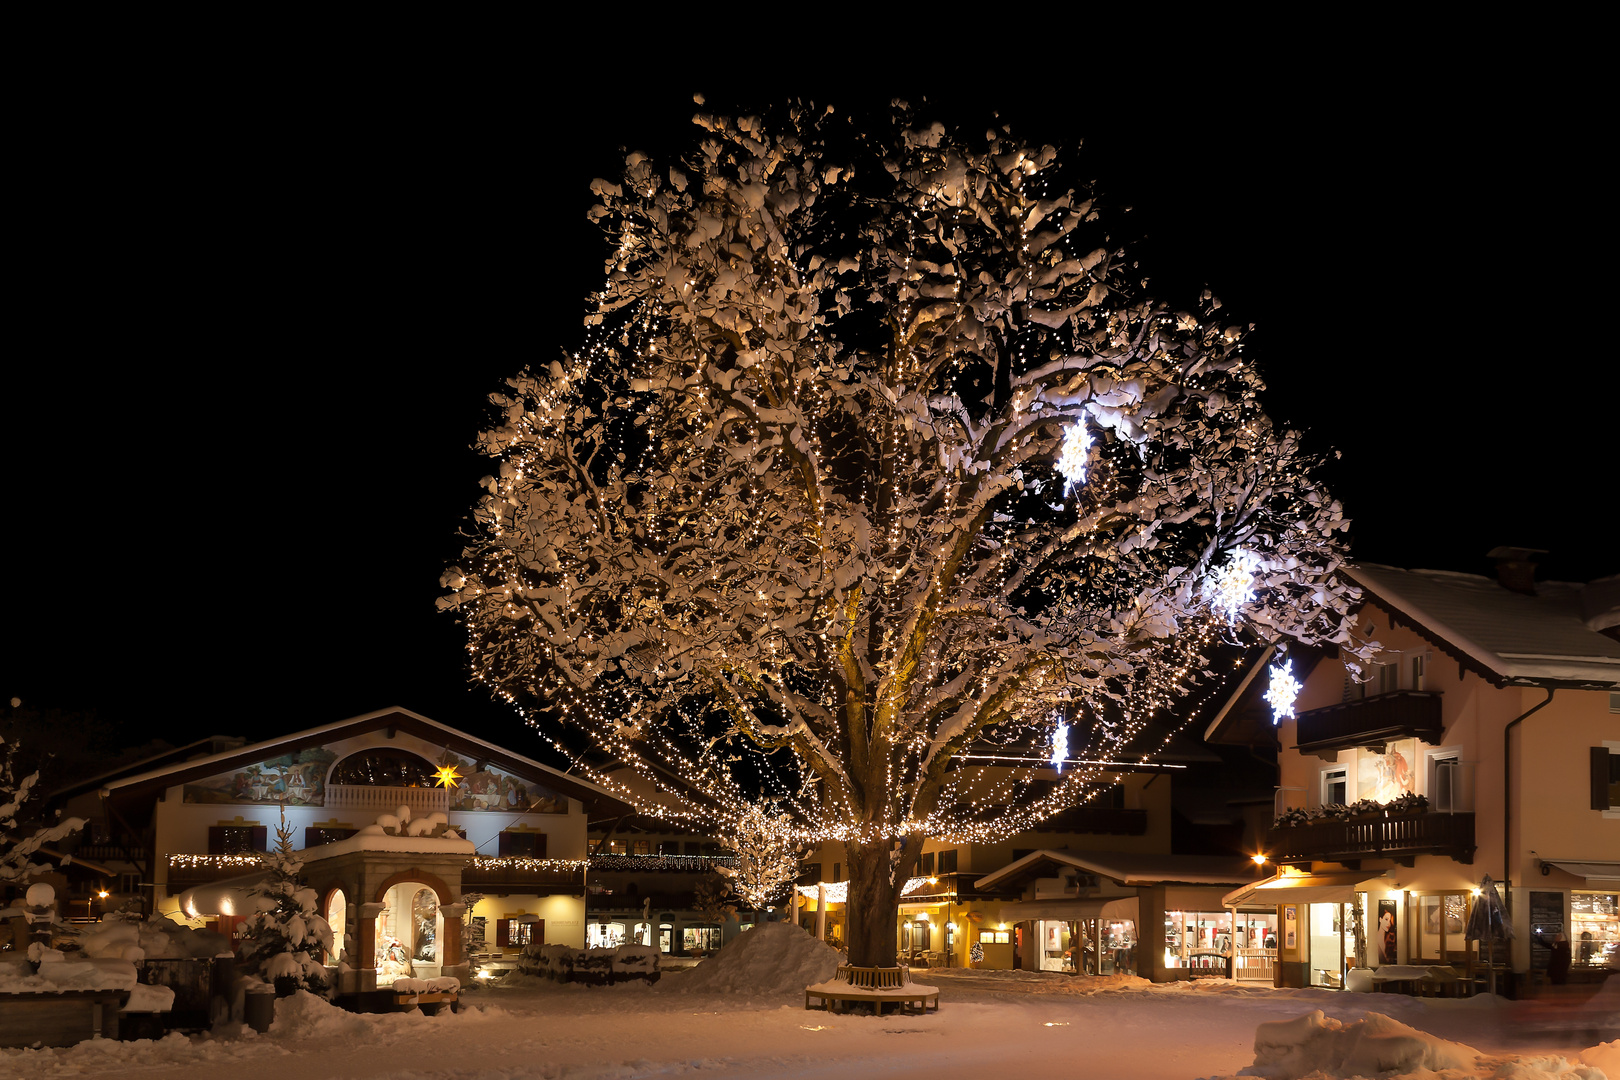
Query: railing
x,y
385,800
1255,962
1384,835
1400,714
643,863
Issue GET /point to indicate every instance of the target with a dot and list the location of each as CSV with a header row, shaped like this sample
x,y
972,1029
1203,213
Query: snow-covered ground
x,y
991,1024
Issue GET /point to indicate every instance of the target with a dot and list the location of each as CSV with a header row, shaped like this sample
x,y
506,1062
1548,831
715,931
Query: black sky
x,y
261,325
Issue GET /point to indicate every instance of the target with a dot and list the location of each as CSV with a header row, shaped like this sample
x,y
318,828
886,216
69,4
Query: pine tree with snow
x,y
21,842
286,937
767,847
875,468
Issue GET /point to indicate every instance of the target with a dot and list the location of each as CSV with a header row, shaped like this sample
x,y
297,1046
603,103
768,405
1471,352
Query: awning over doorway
x,y
1335,887
1591,871
228,896
1071,909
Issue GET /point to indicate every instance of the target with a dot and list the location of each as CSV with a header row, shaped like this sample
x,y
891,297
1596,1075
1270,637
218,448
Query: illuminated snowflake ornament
x,y
1072,458
1233,585
1281,693
1060,744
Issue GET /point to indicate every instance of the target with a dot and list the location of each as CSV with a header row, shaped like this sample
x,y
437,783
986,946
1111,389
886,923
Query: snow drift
x,y
772,958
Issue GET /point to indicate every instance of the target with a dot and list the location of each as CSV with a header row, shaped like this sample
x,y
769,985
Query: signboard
x,y
1546,921
1384,932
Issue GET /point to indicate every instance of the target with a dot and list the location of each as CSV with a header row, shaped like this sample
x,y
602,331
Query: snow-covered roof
x,y
1511,637
592,795
369,839
1131,868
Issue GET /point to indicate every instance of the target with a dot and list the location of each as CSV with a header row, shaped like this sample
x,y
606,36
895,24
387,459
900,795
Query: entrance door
x,y
1329,927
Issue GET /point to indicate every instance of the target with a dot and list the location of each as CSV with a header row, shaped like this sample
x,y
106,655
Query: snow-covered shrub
x,y
21,842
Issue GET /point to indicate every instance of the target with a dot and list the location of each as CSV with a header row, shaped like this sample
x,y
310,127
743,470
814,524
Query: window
x,y
1594,923
384,766
947,861
641,847
669,847
1606,776
524,845
519,932
838,872
1445,783
1335,785
809,873
315,836
926,867
235,839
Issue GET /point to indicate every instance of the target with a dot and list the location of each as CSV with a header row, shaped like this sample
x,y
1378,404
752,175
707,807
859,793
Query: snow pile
x,y
1289,1049
772,958
443,984
119,936
57,973
1605,1056
304,1015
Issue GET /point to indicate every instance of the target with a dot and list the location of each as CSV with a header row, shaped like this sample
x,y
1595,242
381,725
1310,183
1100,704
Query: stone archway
x,y
446,931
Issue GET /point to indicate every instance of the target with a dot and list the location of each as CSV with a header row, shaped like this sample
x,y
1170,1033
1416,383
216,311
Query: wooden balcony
x,y
1386,836
1401,714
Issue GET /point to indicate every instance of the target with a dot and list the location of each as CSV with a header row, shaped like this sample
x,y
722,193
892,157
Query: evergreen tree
x,y
286,935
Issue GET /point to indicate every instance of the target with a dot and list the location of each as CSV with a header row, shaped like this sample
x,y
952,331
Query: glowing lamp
x,y
1259,860
1233,585
1072,457
446,776
1060,744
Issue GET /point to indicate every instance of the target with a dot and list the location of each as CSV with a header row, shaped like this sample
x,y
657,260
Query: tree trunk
x,y
873,905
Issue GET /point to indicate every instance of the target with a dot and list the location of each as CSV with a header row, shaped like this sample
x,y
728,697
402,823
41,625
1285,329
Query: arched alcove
x,y
383,766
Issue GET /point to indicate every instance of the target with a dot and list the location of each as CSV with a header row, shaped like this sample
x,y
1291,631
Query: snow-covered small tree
x,y
767,846
286,935
877,468
21,844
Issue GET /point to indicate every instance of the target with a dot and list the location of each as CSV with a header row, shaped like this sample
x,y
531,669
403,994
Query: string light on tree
x,y
770,565
1282,691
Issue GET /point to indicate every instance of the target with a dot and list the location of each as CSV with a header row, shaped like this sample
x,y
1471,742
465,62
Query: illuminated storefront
x,y
1594,923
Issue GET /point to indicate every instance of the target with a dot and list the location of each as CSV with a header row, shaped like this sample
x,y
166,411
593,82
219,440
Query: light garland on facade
x,y
216,862
1282,692
837,892
523,863
689,863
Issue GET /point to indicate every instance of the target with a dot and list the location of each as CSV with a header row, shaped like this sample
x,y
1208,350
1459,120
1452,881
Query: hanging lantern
x,y
1233,585
1060,744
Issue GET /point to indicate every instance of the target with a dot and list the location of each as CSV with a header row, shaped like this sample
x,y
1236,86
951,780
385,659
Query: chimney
x,y
1516,568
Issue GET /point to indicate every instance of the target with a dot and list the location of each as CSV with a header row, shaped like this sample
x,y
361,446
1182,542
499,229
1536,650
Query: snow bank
x,y
443,984
772,958
1375,1045
304,1015
1605,1056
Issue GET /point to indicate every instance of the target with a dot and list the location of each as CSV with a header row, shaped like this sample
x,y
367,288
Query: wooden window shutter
x,y
503,932
537,934
1600,778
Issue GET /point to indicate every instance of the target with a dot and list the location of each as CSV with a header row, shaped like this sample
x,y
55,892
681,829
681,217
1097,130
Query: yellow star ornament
x,y
446,776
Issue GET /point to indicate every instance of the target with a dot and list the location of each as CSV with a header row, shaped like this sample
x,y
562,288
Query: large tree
x,y
874,469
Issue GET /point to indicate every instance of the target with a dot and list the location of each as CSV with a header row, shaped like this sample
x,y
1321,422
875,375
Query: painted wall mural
x,y
1387,776
296,779
487,789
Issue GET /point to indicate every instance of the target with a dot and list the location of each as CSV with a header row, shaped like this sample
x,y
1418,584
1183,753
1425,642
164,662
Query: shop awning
x,y
1337,887
1591,871
228,896
1071,910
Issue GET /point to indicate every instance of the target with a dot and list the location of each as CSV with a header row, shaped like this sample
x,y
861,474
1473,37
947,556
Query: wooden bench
x,y
878,986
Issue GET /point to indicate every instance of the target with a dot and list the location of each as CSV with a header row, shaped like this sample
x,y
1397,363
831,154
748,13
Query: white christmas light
x,y
1283,690
1072,459
1233,585
1060,744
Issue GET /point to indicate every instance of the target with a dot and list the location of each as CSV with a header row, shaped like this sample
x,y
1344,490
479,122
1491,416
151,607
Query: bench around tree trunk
x,y
879,986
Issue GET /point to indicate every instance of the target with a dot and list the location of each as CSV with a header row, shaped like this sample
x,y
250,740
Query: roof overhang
x,y
1332,887
1072,909
1591,871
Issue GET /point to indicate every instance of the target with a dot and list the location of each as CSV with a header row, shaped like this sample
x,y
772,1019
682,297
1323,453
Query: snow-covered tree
x,y
767,847
286,934
21,844
875,468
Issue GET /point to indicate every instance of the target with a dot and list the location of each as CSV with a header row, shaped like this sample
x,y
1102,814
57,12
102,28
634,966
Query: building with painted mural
x,y
1484,740
427,845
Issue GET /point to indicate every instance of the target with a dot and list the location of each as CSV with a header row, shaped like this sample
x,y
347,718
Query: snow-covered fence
x,y
592,967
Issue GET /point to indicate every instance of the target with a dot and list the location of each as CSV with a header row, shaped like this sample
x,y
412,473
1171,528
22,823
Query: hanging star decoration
x,y
1060,744
1072,459
1283,690
446,776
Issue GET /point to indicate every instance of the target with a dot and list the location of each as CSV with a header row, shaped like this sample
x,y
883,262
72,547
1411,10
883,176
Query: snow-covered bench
x,y
878,986
430,995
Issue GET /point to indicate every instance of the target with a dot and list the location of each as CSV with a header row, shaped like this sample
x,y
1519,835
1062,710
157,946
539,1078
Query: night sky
x,y
265,325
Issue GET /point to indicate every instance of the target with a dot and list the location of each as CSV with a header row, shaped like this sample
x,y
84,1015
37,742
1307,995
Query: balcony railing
x,y
385,800
1385,835
1401,714
524,875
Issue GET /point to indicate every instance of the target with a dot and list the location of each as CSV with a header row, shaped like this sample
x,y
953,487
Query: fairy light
x,y
1060,743
1232,587
1072,459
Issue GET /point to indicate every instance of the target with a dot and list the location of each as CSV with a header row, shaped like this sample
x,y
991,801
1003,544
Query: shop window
x,y
666,937
1197,939
700,940
523,845
236,839
947,861
605,935
995,937
1594,923
516,933
1438,934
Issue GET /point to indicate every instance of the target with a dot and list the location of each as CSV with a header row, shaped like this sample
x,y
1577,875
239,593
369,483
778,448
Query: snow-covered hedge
x,y
592,967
